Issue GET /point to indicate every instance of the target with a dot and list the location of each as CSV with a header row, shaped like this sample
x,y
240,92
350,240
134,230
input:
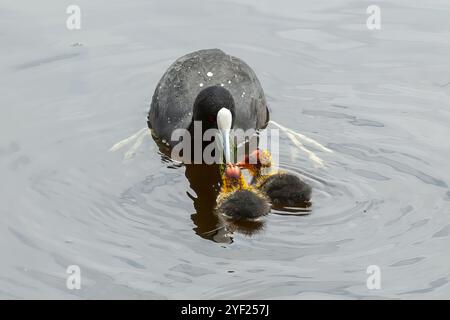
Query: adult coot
x,y
199,85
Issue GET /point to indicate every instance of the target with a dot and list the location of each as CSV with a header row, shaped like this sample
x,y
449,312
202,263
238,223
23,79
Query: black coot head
x,y
284,189
208,103
244,204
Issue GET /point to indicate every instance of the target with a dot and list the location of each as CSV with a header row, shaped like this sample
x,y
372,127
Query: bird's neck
x,y
229,185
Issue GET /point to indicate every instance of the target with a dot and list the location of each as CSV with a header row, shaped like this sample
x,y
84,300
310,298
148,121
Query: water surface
x,y
378,99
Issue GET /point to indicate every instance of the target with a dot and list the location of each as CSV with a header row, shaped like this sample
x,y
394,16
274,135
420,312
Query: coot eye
x,y
211,119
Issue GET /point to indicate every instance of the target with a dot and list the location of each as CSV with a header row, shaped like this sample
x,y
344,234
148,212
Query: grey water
x,y
379,99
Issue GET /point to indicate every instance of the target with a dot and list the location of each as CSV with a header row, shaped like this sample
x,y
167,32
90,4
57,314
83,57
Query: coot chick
x,y
285,190
239,201
282,188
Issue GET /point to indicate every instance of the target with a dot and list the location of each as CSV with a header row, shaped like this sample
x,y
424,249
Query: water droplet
x,y
209,74
229,81
221,84
201,84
